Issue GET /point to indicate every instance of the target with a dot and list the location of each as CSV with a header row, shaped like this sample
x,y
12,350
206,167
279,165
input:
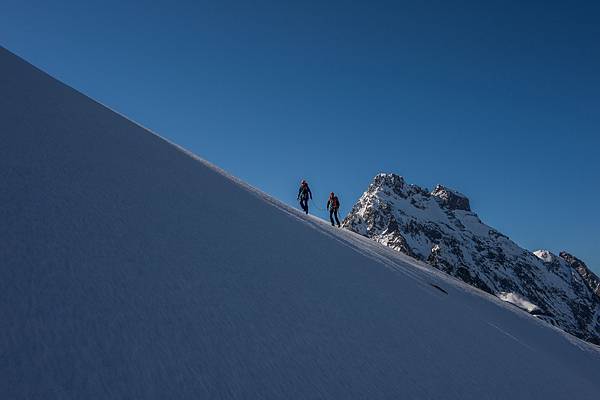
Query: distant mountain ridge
x,y
438,227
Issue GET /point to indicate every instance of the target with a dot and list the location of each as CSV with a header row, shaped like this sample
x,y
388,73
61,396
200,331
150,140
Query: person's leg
x,y
304,205
336,218
331,216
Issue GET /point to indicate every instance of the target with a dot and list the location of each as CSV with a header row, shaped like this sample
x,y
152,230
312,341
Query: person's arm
x,y
299,191
309,192
327,206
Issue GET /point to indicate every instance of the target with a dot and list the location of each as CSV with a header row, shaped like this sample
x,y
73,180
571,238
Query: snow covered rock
x,y
544,255
440,229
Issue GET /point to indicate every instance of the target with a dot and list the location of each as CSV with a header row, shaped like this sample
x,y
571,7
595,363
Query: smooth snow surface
x,y
132,269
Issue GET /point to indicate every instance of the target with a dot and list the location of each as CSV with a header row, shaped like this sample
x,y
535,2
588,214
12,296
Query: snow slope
x,y
132,269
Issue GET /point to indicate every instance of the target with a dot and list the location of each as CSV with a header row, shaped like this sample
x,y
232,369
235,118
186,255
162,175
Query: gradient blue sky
x,y
500,100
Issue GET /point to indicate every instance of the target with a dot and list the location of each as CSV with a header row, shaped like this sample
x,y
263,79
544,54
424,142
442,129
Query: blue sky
x,y
500,100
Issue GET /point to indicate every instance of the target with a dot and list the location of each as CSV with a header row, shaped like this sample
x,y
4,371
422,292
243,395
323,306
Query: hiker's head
x,y
331,194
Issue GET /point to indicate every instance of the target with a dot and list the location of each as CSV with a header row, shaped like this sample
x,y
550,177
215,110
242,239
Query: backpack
x,y
304,191
335,203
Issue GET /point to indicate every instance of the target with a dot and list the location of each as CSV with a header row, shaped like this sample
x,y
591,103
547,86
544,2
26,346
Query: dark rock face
x,y
588,276
439,228
451,198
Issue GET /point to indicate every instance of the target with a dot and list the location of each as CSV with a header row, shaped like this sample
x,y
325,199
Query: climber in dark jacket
x,y
333,205
304,194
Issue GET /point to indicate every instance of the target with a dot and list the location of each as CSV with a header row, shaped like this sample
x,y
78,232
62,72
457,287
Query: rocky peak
x,y
451,198
572,260
392,181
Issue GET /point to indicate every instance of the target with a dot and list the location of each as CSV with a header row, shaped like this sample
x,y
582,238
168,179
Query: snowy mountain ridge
x,y
438,227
